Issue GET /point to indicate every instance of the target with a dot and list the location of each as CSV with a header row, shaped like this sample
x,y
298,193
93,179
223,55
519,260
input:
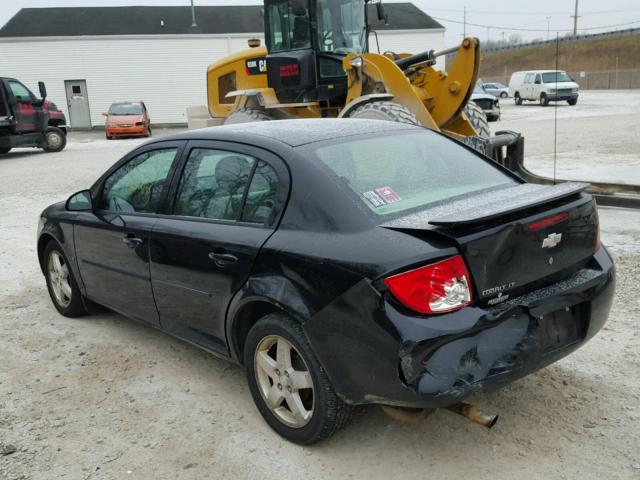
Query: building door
x,y
78,103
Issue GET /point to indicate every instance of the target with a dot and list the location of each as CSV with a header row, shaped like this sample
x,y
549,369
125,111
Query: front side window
x,y
19,91
213,184
289,25
393,174
137,186
341,26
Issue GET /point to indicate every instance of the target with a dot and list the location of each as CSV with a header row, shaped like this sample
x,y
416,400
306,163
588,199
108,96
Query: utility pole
x,y
548,24
575,21
464,22
193,16
503,40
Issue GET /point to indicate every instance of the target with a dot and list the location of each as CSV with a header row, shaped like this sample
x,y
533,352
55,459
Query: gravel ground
x,y
104,397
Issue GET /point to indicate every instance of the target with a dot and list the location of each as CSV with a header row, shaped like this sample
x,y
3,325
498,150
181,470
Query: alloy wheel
x,y
284,381
59,279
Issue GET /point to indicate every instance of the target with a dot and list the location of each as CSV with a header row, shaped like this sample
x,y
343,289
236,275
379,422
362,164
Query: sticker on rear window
x,y
374,198
388,194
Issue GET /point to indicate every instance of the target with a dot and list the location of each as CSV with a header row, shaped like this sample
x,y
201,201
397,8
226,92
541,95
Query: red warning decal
x,y
388,194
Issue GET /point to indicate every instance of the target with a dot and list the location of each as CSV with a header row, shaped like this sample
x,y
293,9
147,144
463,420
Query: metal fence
x,y
602,80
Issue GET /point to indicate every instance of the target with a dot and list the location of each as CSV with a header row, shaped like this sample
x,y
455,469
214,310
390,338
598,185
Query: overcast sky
x,y
500,16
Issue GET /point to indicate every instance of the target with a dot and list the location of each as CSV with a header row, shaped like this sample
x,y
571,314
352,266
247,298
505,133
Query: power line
x,y
497,12
532,29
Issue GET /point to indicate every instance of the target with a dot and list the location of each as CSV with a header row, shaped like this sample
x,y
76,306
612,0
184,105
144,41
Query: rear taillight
x,y
437,288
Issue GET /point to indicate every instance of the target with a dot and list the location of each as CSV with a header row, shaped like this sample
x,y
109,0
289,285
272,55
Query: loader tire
x,y
478,119
247,115
390,111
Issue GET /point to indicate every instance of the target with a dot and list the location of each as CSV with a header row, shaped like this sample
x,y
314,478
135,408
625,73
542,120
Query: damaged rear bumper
x,y
411,361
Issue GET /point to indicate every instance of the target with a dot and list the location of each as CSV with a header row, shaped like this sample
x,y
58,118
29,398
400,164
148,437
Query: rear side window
x,y
213,184
261,195
396,173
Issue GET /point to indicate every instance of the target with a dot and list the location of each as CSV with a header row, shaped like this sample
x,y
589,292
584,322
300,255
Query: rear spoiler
x,y
487,205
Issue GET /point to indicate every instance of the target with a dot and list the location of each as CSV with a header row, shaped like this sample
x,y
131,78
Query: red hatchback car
x,y
127,119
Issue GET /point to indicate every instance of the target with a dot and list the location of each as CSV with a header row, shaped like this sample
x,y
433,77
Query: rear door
x,y
227,201
112,243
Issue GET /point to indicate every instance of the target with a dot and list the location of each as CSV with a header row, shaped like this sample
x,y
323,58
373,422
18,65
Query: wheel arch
x,y
43,241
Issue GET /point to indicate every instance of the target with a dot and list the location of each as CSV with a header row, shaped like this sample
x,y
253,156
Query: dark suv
x,y
28,121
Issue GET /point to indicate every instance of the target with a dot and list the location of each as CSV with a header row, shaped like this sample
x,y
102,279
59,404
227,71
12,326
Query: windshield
x,y
341,26
478,89
125,109
550,77
394,174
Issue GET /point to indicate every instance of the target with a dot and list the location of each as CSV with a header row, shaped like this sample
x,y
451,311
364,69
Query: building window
x,y
226,84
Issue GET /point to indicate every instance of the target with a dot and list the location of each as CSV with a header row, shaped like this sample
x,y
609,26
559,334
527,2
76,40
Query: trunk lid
x,y
515,239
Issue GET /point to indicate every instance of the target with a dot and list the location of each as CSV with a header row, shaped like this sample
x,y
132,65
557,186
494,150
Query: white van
x,y
543,86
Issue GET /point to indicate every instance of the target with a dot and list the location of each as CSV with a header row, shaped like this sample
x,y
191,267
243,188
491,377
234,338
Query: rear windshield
x,y
125,109
395,174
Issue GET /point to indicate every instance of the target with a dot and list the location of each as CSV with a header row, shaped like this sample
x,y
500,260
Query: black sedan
x,y
342,262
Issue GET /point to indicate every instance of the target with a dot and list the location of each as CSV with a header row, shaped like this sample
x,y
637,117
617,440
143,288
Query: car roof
x,y
293,132
538,71
120,102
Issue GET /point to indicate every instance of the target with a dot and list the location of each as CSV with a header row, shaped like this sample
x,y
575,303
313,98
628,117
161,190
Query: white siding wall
x,y
168,73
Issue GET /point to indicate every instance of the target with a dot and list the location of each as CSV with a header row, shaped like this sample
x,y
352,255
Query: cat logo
x,y
552,240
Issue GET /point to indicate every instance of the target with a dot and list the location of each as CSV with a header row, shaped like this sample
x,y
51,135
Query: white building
x,y
104,54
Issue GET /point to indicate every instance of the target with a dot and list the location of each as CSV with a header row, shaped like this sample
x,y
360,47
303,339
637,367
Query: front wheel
x,y
544,100
572,102
288,384
4,150
247,115
149,131
391,111
517,99
62,285
54,139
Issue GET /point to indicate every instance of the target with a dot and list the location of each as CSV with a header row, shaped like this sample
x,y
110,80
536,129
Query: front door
x,y
78,103
224,208
25,107
112,243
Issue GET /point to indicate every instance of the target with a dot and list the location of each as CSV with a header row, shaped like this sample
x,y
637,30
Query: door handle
x,y
132,241
222,258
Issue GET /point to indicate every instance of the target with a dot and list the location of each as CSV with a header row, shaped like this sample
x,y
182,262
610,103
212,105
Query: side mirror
x,y
80,202
537,82
381,13
43,90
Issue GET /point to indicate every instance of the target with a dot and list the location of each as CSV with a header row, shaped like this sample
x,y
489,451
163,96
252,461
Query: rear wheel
x,y
54,139
544,100
478,119
504,95
4,150
288,384
517,99
62,286
246,115
391,111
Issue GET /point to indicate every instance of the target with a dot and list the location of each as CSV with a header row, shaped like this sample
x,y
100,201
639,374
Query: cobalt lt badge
x,y
552,240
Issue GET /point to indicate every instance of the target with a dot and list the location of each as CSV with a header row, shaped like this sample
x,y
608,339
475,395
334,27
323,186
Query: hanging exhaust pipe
x,y
473,413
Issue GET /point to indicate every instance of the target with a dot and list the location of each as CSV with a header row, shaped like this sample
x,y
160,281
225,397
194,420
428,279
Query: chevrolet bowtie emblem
x,y
552,240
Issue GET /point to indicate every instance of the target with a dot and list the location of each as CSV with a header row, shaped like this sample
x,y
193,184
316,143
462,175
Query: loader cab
x,y
306,41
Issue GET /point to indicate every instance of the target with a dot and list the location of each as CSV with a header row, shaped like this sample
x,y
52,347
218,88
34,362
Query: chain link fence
x,y
602,80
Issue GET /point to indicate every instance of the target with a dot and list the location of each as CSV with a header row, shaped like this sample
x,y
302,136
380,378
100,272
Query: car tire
x,y
390,111
276,351
572,102
61,284
149,133
54,139
108,137
517,99
4,150
504,95
478,119
544,100
247,115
